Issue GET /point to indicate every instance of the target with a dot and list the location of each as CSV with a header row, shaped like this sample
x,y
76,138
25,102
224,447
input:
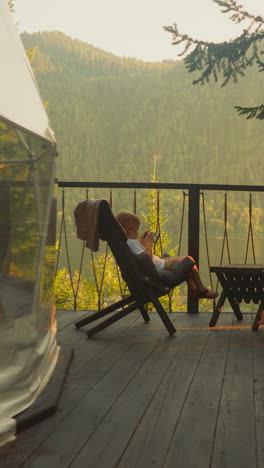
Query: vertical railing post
x,y
52,223
193,237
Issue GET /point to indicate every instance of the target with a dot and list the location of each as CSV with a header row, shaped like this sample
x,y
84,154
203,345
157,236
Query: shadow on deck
x,y
136,397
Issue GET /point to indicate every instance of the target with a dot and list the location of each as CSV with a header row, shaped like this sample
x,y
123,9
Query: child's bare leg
x,y
171,262
195,283
197,279
192,287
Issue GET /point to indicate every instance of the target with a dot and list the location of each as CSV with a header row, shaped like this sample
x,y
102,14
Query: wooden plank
x,y
78,338
63,446
235,441
96,356
193,434
105,447
90,401
87,351
258,375
152,438
47,403
136,397
85,370
67,317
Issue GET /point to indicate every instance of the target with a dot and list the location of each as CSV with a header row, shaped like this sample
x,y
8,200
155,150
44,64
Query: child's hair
x,y
125,218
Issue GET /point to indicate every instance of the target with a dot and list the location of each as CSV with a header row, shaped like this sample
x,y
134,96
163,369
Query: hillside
x,y
111,115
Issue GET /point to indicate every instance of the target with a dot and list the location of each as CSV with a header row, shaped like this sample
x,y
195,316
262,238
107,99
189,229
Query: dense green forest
x,y
114,117
111,115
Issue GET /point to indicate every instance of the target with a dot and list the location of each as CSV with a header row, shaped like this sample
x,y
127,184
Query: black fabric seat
x,y
144,283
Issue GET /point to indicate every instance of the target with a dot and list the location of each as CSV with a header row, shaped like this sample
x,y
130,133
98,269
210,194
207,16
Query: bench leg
x,y
217,309
235,306
255,325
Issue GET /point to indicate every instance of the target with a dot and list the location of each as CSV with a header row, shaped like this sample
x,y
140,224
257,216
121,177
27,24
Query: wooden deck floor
x,y
136,397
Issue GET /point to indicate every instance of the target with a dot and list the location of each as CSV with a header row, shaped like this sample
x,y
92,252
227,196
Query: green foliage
x,y
156,216
87,294
251,112
31,53
92,292
105,267
227,60
110,116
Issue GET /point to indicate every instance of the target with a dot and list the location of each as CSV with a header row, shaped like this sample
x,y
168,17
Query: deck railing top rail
x,y
162,185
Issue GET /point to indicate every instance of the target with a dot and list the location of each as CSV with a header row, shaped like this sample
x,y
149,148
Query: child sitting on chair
x,y
130,223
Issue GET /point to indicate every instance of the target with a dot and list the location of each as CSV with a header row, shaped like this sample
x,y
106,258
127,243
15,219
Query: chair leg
x,y
114,318
144,313
101,313
163,315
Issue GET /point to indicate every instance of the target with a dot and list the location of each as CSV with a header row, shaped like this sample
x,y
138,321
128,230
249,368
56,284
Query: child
x,y
130,223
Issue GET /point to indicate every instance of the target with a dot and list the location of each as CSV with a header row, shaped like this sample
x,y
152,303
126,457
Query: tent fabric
x,y
18,390
20,101
28,347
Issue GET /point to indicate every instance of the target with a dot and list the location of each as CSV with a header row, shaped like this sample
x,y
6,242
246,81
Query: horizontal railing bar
x,y
161,185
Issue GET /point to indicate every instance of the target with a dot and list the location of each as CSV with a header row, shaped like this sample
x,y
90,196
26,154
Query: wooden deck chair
x,y
139,273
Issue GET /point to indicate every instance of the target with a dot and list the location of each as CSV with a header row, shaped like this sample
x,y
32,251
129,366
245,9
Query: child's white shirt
x,y
137,248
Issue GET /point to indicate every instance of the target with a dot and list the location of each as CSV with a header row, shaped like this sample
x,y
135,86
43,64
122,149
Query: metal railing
x,y
194,192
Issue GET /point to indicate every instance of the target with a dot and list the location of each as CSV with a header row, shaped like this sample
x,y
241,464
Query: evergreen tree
x,y
227,60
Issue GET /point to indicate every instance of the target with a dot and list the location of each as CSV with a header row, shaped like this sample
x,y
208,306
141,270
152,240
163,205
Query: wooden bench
x,y
239,283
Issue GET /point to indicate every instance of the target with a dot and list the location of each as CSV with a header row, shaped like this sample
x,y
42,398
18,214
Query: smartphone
x,y
154,235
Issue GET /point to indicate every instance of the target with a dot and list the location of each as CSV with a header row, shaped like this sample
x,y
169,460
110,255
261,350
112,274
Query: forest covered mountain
x,y
111,115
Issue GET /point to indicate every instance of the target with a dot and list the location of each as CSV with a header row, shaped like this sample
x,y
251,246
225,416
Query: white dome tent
x,y
28,348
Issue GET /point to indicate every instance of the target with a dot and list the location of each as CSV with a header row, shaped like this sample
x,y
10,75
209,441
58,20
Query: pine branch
x,y
251,112
227,60
260,64
239,14
184,39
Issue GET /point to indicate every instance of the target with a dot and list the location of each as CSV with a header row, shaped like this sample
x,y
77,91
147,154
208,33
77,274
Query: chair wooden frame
x,y
142,289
